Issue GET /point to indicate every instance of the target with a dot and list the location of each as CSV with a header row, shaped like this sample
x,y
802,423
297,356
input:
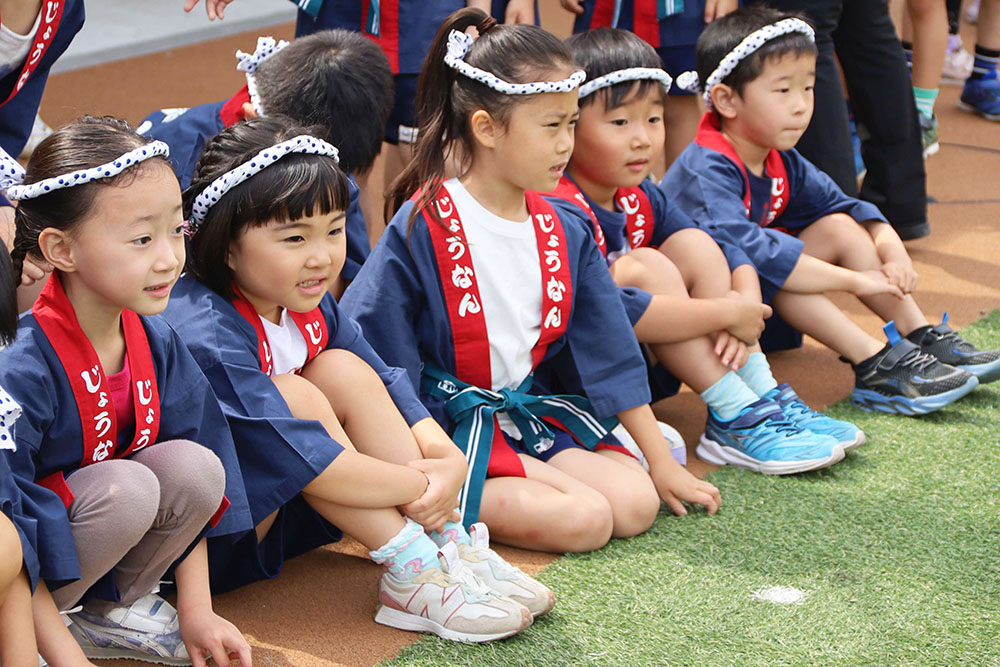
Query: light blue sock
x,y
757,374
728,396
408,553
453,532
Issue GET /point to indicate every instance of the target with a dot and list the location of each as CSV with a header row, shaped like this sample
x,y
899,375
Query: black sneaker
x,y
950,348
901,379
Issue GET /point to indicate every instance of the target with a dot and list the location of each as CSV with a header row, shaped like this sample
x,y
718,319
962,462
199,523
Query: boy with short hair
x,y
743,181
335,79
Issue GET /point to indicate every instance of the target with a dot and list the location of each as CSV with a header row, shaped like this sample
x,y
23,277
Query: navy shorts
x,y
676,60
402,125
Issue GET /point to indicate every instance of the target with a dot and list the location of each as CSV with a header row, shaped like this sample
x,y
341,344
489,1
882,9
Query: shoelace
x,y
954,340
918,360
473,589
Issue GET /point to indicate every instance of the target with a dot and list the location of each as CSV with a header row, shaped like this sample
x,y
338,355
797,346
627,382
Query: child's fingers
x,y
189,5
675,505
198,657
242,651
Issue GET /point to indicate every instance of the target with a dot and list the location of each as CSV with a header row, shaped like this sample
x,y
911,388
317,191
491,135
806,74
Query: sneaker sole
x,y
120,653
718,454
932,149
965,106
866,399
985,372
859,440
406,621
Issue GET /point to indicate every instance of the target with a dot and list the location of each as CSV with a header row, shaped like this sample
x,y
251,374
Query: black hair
x,y
296,186
83,144
446,99
607,50
8,298
723,34
338,80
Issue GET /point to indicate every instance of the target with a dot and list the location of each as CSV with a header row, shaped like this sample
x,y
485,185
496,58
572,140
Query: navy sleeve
x,y
358,245
814,194
349,337
386,300
713,196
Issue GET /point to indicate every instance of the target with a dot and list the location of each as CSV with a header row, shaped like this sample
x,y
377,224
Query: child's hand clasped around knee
x,y
873,283
444,479
749,316
903,275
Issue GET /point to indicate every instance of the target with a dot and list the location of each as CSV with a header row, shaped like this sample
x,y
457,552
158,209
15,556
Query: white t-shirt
x,y
288,347
505,257
14,47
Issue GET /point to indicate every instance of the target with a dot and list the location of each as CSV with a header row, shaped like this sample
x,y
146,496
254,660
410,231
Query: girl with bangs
x,y
328,436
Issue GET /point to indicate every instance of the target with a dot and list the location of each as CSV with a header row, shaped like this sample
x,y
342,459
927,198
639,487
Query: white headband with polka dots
x,y
630,74
220,186
249,62
9,412
458,46
689,80
12,173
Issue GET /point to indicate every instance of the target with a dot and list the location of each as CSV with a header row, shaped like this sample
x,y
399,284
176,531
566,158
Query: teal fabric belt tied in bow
x,y
473,410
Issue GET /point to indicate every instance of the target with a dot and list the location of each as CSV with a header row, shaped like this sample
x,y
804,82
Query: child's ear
x,y
484,128
57,248
249,112
724,100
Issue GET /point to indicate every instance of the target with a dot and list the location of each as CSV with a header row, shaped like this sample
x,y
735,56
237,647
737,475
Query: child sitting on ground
x,y
695,315
334,78
743,181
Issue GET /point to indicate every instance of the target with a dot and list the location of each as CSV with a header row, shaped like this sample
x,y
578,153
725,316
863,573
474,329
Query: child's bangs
x,y
294,187
618,94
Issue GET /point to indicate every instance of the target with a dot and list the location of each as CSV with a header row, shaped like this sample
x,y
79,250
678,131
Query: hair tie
x,y
458,46
749,45
249,62
487,24
630,74
12,173
688,81
265,158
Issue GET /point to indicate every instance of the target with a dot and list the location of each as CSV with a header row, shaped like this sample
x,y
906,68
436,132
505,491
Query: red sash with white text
x,y
55,315
567,190
461,289
312,325
710,136
51,11
639,218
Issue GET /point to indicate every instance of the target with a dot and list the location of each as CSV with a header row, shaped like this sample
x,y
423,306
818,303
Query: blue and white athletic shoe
x,y
904,380
762,440
796,411
981,96
146,630
949,348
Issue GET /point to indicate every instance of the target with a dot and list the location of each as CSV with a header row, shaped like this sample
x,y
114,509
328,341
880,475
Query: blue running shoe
x,y
796,411
943,343
904,380
981,96
760,439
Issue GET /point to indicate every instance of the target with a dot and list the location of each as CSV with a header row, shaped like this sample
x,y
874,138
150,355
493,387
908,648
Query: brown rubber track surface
x,y
319,612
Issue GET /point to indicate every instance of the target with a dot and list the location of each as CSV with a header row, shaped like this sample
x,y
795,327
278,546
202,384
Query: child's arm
x,y
445,467
55,643
671,319
896,263
673,482
201,628
812,276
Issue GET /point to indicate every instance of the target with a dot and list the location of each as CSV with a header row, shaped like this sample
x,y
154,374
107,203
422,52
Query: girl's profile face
x,y
534,147
129,251
615,148
289,263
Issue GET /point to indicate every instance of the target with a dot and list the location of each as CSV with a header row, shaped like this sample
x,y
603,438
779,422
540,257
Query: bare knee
x,y
304,399
649,270
588,523
634,506
342,375
10,554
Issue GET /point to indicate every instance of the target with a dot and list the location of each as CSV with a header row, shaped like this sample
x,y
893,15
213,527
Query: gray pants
x,y
137,516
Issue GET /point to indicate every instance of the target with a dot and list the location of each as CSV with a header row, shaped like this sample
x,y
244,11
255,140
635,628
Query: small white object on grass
x,y
780,595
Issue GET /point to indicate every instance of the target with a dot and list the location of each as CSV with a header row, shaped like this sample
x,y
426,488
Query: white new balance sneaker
x,y
449,602
500,576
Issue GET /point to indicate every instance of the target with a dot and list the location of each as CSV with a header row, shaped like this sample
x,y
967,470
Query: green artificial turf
x,y
897,547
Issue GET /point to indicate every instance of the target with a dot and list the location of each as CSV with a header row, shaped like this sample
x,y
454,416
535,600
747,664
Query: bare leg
x,y
838,239
701,263
546,511
929,23
816,315
17,633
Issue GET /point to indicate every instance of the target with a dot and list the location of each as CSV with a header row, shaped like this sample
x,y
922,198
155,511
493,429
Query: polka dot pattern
x,y
750,43
458,46
630,74
249,62
12,173
9,412
220,186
